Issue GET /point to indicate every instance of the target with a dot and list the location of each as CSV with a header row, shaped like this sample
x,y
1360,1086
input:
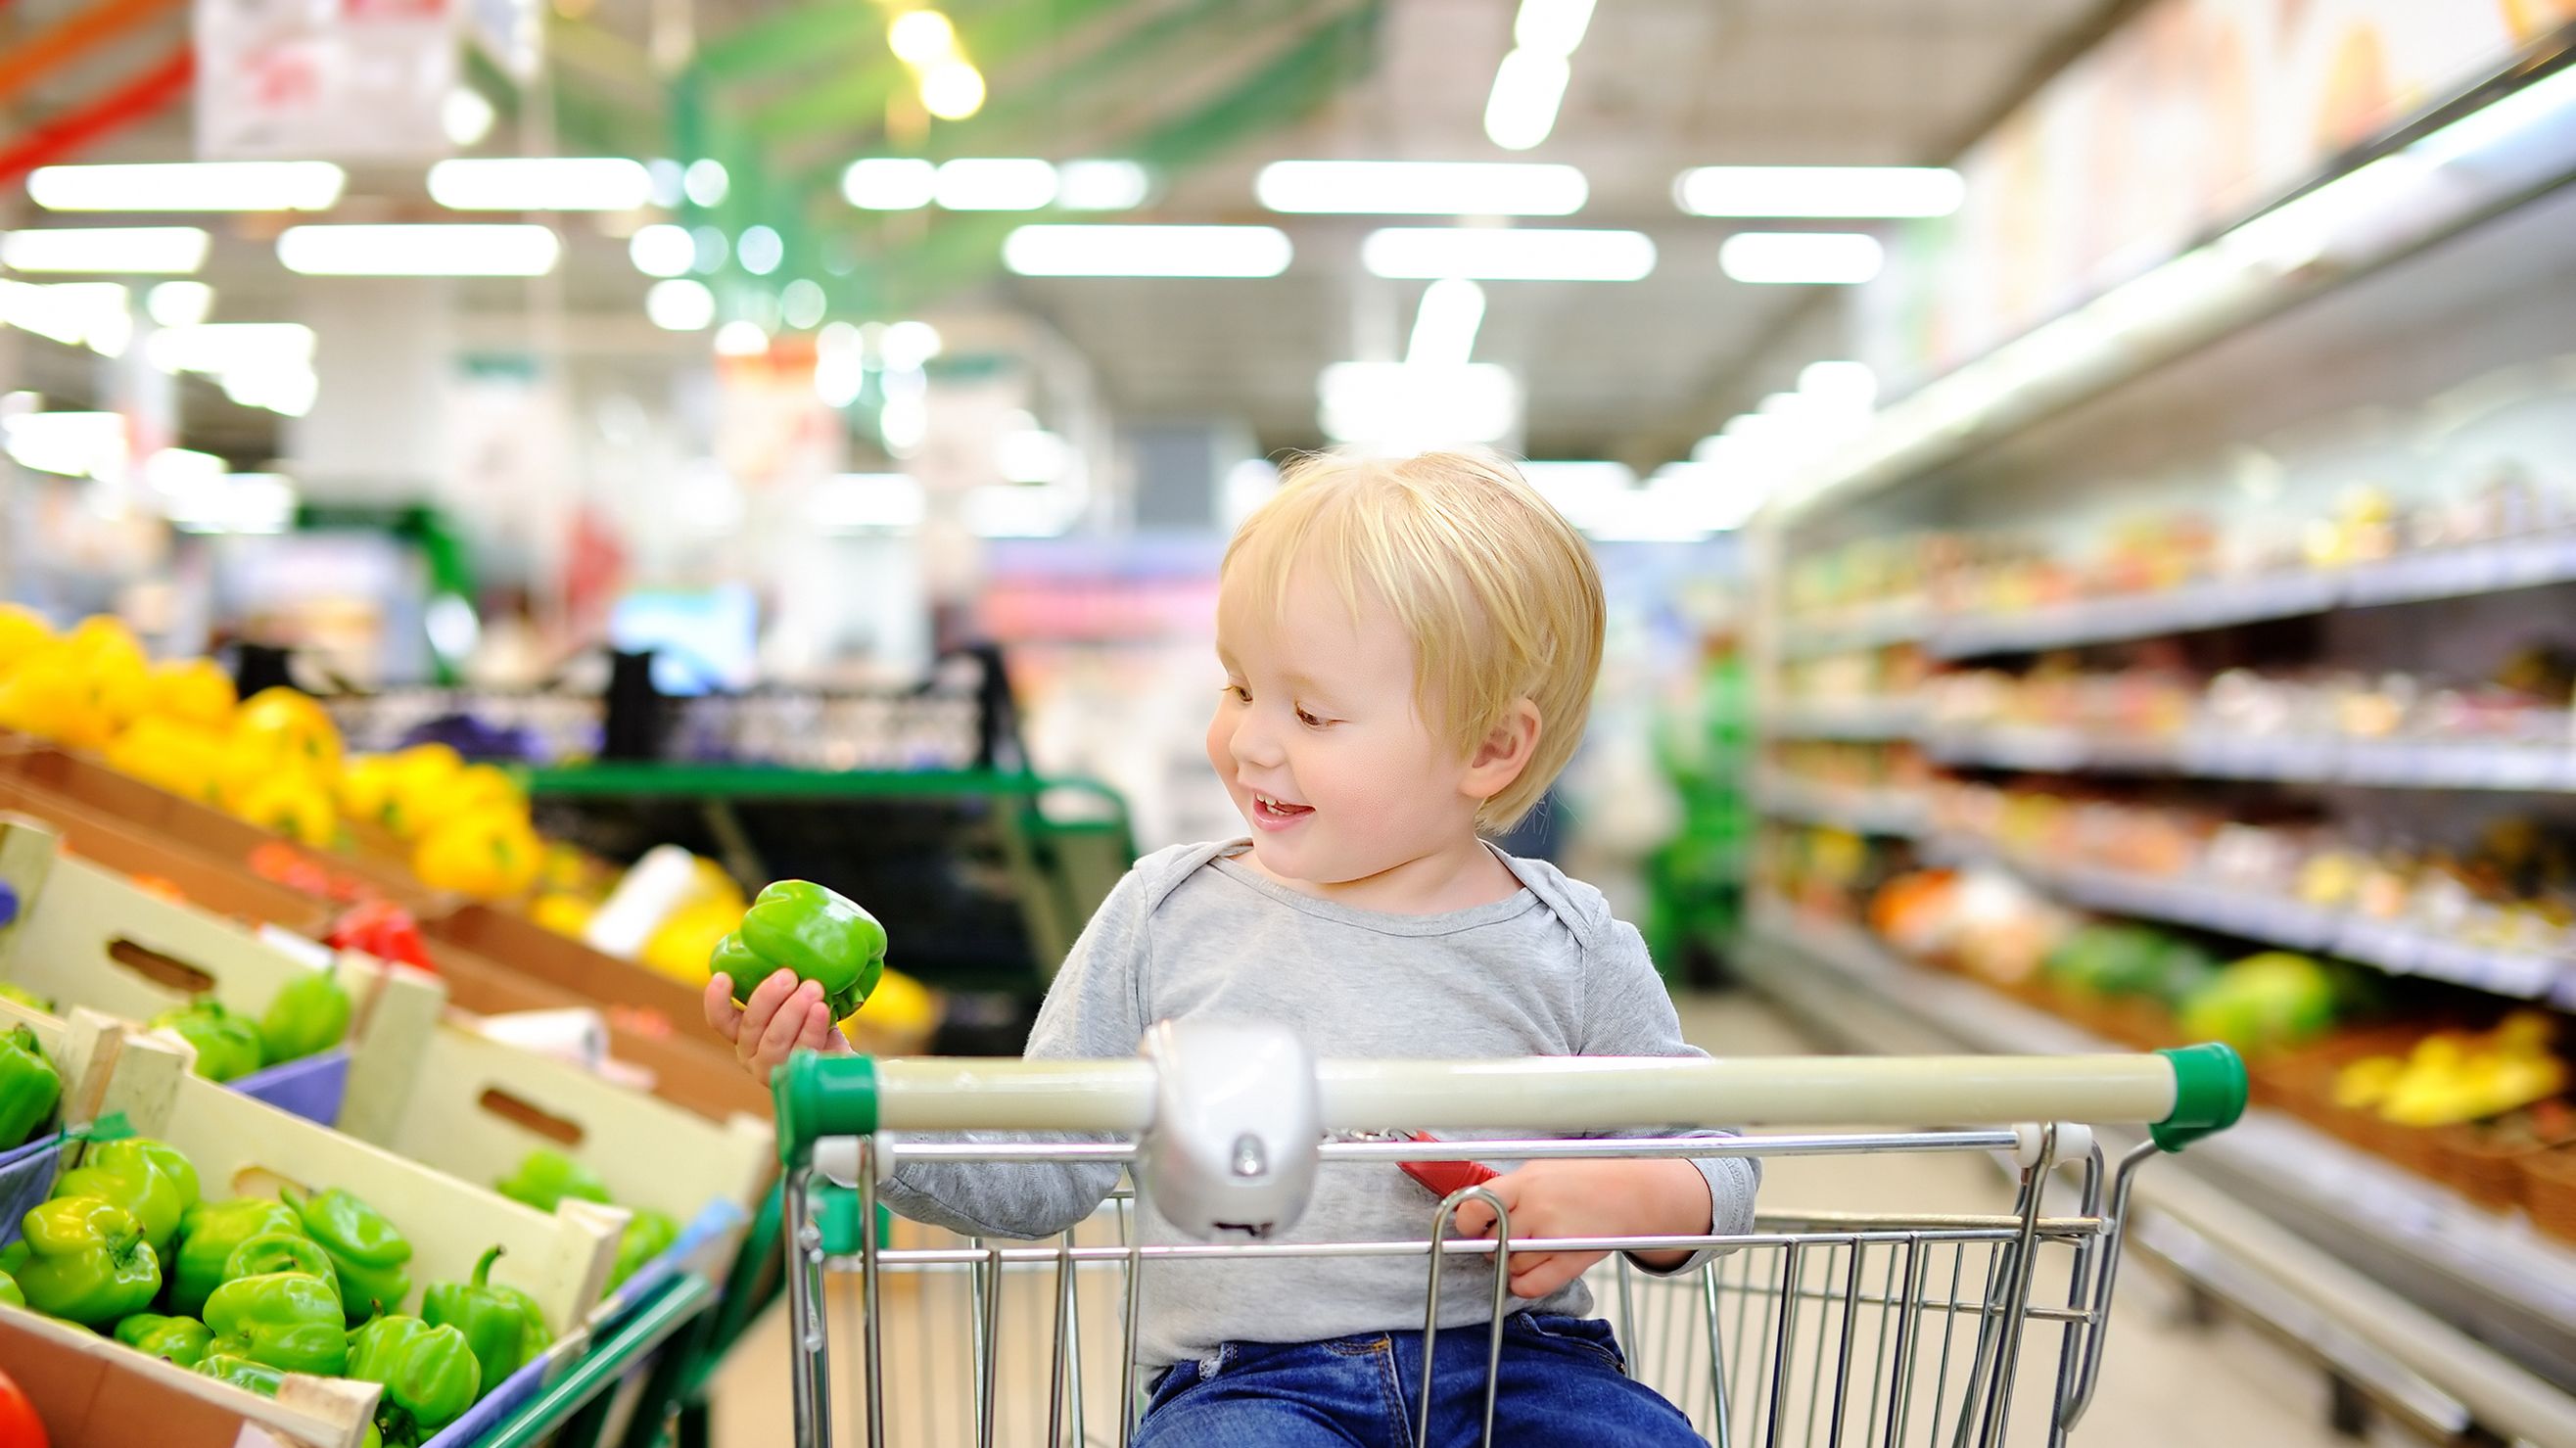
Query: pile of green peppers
x,y
30,1087
546,1177
307,1016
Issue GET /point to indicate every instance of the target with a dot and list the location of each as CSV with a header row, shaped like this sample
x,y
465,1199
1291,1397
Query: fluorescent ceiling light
x,y
221,347
1551,27
1439,188
1518,254
741,338
466,116
680,305
1147,251
94,314
1819,191
70,444
705,182
662,250
889,183
1849,386
178,304
952,90
1444,330
908,346
921,37
541,183
125,250
436,250
852,502
234,503
174,469
760,250
1102,185
1395,405
1827,258
1528,87
801,304
189,186
1031,455
994,183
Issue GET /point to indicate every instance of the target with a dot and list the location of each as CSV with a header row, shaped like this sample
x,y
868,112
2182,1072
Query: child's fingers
x,y
722,1014
818,1034
760,1011
789,1022
1547,1273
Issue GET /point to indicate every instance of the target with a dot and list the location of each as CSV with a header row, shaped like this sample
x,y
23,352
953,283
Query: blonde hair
x,y
1495,590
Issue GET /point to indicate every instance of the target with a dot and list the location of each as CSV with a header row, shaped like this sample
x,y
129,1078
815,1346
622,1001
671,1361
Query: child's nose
x,y
1254,745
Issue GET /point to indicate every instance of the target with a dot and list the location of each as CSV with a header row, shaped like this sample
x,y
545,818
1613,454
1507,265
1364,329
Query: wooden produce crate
x,y
90,1392
131,849
88,936
84,1047
503,935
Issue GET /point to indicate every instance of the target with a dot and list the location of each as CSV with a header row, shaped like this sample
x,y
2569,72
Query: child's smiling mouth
x,y
1277,814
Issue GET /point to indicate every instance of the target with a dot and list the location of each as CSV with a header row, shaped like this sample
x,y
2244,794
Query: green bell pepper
x,y
281,1252
148,1178
367,1252
181,1340
502,1324
9,1292
227,1041
87,1261
306,1017
208,1233
30,1087
429,1374
548,1176
648,1235
25,997
819,934
242,1373
288,1320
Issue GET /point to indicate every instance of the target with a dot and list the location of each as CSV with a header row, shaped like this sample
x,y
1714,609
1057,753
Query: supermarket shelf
x,y
2379,763
1861,811
2272,920
2492,1276
1874,627
2460,572
1867,721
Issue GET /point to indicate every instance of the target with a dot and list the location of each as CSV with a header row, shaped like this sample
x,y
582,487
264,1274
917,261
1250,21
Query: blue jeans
x,y
1563,1382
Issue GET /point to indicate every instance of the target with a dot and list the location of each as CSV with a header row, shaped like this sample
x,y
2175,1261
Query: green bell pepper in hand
x,y
30,1087
288,1320
227,1041
648,1235
429,1374
181,1340
242,1373
306,1017
367,1252
548,1176
208,1233
502,1324
87,1261
817,933
148,1178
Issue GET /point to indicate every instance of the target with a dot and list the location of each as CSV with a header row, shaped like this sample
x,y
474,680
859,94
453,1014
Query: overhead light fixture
x,y
1514,254
801,304
540,183
1551,27
1873,191
760,249
1819,258
706,182
921,38
662,250
1102,185
1444,328
1147,251
866,502
908,346
680,305
952,90
1031,455
740,338
68,444
466,116
219,348
994,183
1431,188
433,250
103,250
1392,404
1529,85
189,186
96,315
889,183
178,304
1840,385
233,503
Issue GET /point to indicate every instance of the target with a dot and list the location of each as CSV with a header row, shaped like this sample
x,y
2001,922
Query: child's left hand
x,y
1590,1199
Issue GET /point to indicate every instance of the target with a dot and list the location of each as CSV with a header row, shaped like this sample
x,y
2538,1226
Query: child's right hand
x,y
784,1015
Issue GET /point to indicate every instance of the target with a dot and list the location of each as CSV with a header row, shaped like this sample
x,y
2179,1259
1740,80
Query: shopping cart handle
x,y
2179,1095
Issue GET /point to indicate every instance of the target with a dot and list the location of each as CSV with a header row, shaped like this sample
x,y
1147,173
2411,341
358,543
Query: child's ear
x,y
1504,752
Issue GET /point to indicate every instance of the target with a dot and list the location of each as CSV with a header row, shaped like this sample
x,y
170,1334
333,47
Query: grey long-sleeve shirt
x,y
1191,931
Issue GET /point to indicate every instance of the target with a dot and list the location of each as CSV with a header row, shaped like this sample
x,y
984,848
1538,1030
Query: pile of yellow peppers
x,y
466,824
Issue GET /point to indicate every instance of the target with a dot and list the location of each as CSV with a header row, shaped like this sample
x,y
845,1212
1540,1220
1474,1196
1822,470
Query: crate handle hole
x,y
535,1118
160,969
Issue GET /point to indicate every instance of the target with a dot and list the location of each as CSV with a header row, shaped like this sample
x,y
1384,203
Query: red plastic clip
x,y
1441,1178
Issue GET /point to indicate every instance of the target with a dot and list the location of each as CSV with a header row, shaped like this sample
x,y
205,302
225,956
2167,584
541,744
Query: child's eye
x,y
1237,692
1311,719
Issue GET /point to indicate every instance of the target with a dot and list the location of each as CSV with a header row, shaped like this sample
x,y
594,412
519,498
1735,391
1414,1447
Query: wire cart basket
x,y
1813,1329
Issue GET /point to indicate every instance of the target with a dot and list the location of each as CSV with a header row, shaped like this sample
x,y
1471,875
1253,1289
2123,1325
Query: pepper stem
x,y
483,1268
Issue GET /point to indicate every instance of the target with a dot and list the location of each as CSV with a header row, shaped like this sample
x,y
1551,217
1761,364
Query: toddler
x,y
1409,649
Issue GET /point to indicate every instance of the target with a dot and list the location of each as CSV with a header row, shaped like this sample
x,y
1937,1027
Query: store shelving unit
x,y
2492,1274
1875,627
2285,759
1861,811
1866,721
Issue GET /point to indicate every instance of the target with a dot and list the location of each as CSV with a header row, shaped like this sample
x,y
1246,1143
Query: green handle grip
x,y
819,1096
2209,1093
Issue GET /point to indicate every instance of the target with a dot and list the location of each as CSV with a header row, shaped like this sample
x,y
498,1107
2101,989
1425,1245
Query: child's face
x,y
1317,739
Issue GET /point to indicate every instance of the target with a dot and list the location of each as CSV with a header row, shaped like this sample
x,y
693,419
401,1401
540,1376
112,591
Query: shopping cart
x,y
1826,1329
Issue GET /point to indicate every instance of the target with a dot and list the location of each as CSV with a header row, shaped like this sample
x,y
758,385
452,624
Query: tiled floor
x,y
2166,1381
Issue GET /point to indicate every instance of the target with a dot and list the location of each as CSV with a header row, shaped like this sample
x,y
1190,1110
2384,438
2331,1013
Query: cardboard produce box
x,y
90,1392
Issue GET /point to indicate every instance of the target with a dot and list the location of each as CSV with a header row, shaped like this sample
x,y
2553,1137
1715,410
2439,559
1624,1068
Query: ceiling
x,y
1214,89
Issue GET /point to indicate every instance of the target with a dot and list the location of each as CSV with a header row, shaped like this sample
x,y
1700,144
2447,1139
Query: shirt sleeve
x,y
1094,1010
1627,1012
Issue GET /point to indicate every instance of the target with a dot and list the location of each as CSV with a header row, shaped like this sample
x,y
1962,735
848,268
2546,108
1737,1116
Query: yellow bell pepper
x,y
289,731
184,758
43,694
195,690
367,787
680,947
295,805
566,915
421,776
23,631
490,855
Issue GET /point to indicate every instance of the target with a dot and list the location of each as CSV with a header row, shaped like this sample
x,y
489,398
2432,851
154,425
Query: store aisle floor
x,y
2166,1380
